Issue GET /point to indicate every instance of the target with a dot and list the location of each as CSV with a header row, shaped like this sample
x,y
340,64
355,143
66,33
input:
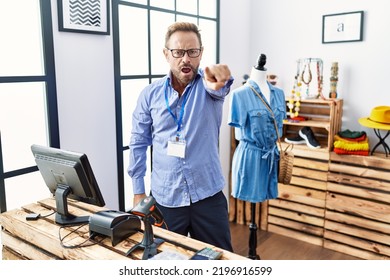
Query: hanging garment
x,y
256,158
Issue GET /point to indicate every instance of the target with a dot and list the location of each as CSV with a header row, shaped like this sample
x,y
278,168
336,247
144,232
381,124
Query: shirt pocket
x,y
258,122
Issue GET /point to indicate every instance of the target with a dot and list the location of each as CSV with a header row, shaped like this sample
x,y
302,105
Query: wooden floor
x,y
272,246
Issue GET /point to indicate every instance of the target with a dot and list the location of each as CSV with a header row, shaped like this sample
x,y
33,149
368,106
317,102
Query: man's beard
x,y
186,79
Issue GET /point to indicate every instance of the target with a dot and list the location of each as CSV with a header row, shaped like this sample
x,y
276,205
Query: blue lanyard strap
x,y
186,95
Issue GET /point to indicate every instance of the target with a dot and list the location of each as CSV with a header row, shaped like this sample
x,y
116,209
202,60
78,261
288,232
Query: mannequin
x,y
256,157
259,76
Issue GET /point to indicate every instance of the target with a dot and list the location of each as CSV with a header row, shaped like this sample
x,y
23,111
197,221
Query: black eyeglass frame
x,y
185,51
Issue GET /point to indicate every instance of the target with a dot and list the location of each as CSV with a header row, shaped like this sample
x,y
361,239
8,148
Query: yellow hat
x,y
379,118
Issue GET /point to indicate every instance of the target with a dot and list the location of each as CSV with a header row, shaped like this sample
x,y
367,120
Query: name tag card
x,y
176,148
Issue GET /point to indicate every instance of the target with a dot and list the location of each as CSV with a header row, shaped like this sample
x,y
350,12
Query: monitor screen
x,y
67,175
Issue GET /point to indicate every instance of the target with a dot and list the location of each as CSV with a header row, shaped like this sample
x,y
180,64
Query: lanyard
x,y
180,119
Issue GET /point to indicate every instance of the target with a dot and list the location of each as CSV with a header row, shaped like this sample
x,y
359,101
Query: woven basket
x,y
286,163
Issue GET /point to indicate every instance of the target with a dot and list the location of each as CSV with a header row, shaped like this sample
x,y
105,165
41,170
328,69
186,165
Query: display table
x,y
40,239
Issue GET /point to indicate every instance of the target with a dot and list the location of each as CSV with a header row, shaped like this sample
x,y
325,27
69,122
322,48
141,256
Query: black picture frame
x,y
342,27
87,16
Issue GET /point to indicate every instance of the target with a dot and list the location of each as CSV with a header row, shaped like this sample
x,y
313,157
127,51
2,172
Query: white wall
x,y
86,102
234,38
284,30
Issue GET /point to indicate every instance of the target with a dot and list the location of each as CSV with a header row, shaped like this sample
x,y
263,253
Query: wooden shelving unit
x,y
323,117
299,211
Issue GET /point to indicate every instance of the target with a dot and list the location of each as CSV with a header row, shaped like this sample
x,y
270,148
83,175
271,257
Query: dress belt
x,y
267,152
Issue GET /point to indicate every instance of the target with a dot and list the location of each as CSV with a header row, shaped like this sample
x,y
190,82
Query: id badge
x,y
177,148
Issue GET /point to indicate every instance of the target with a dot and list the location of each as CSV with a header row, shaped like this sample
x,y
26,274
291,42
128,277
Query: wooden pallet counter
x,y
357,217
39,240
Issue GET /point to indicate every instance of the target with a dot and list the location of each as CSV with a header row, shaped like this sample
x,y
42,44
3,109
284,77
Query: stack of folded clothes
x,y
348,142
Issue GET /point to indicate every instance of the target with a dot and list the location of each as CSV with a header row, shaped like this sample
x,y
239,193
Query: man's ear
x,y
166,53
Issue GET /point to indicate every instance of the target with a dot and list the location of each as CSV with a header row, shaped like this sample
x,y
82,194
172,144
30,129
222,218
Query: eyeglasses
x,y
178,53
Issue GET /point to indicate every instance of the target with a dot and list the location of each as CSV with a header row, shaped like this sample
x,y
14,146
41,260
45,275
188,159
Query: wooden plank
x,y
309,183
300,217
301,227
314,211
240,212
358,221
359,192
358,242
23,249
332,126
310,173
358,232
248,212
264,216
304,151
360,171
302,195
75,207
10,255
311,163
358,207
357,181
295,234
258,214
315,109
374,161
338,115
313,122
352,251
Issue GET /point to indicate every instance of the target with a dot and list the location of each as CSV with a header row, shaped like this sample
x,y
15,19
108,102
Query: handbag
x,y
286,161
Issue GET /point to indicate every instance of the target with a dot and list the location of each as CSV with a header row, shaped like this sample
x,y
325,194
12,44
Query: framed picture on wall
x,y
343,27
84,16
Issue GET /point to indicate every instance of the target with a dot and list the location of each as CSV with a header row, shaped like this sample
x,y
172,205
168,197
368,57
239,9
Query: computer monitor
x,y
67,175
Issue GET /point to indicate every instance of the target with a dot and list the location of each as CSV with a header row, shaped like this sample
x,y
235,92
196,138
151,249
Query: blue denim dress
x,y
256,159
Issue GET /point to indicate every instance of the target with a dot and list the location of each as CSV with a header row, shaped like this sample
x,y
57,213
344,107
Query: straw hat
x,y
379,118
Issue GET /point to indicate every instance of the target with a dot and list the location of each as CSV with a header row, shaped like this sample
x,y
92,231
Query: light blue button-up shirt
x,y
178,181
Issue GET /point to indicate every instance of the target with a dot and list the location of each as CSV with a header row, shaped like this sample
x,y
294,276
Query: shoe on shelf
x,y
307,134
295,140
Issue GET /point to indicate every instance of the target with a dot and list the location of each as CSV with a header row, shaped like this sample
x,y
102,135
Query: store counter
x,y
43,239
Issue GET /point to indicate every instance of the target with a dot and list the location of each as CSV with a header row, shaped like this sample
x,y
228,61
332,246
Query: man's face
x,y
184,68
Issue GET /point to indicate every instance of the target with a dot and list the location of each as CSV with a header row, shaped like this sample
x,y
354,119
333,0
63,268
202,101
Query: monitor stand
x,y
63,217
